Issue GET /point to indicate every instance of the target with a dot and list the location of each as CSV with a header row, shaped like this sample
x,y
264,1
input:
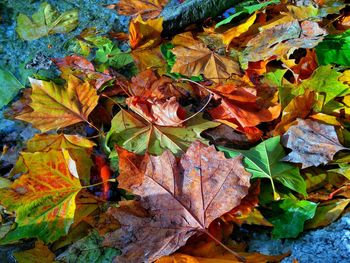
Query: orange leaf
x,y
240,106
163,113
57,107
145,34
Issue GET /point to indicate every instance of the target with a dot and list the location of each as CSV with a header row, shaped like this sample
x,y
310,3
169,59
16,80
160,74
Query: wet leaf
x,y
178,211
46,21
55,107
137,136
264,161
311,142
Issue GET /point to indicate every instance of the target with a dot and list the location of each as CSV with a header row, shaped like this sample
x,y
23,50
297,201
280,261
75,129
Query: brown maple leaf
x,y
182,199
196,59
312,143
146,8
160,112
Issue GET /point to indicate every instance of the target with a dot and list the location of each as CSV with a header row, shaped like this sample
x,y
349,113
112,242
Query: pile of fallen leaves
x,y
266,85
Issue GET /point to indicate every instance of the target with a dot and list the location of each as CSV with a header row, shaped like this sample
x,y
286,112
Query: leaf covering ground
x,y
155,149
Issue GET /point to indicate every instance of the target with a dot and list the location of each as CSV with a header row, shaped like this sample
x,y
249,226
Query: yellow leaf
x,y
325,118
345,77
234,32
55,107
197,59
145,34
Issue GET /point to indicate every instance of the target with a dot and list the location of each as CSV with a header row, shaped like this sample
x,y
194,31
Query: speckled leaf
x,y
56,107
312,143
137,136
44,197
46,21
182,200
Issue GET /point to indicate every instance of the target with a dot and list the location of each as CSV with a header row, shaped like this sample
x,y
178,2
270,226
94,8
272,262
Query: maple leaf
x,y
263,161
44,197
147,85
137,136
145,34
147,9
182,200
81,68
239,105
163,113
196,59
46,21
56,107
312,143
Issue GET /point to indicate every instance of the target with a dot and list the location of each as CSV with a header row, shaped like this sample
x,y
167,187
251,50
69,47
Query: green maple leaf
x,y
111,55
46,21
264,161
136,136
324,80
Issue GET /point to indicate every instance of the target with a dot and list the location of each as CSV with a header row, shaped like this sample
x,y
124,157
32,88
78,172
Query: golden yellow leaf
x,y
238,30
197,59
55,107
145,34
40,253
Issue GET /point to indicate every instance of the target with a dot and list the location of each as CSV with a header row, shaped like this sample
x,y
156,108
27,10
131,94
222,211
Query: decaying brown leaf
x,y
196,59
312,143
163,113
182,200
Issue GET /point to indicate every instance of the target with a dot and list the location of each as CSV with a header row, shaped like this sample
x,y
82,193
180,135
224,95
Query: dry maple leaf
x,y
182,199
197,59
239,105
56,107
81,68
163,113
312,143
146,8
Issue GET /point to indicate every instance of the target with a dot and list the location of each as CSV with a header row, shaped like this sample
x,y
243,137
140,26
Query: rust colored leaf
x,y
146,8
239,105
182,199
312,143
298,107
163,113
147,85
81,68
57,107
196,59
145,34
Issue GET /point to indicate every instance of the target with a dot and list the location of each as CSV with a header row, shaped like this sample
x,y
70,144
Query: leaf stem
x,y
91,185
240,258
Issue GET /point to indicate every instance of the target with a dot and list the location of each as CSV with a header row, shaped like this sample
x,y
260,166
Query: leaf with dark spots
x,y
312,143
182,199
